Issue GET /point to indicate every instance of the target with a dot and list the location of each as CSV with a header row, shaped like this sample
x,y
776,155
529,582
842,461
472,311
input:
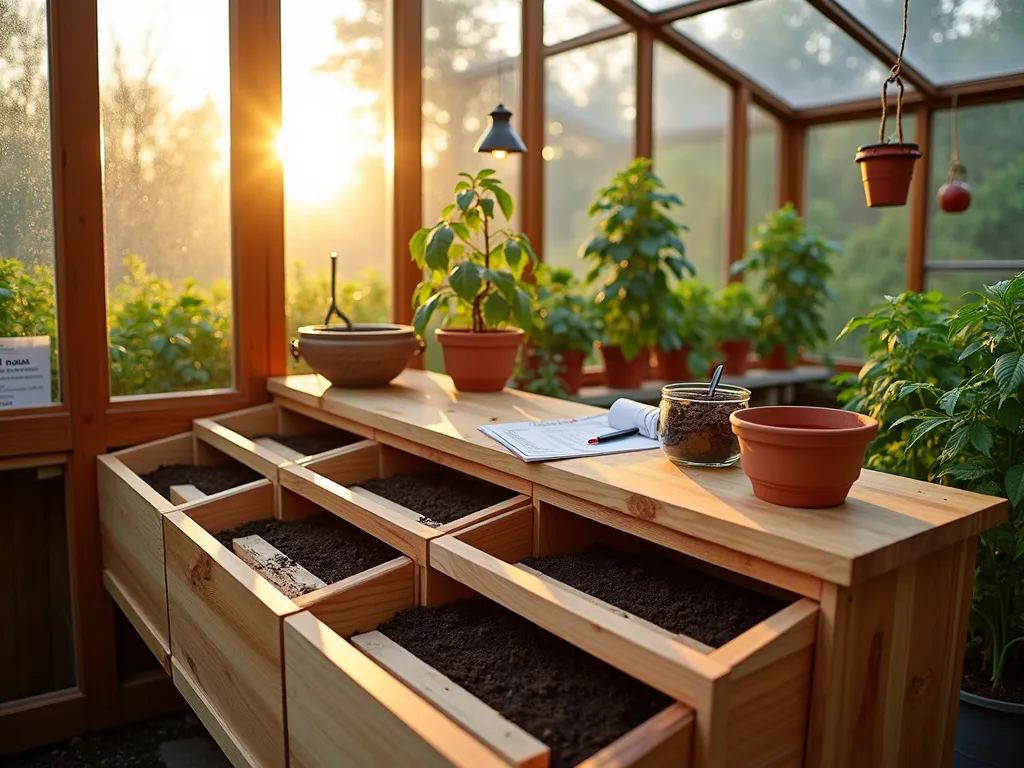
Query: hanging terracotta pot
x,y
886,170
620,373
954,196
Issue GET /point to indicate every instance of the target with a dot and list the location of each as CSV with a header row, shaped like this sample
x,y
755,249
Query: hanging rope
x,y
894,77
954,162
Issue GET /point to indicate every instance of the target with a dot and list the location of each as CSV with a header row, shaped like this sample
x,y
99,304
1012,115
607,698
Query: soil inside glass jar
x,y
696,429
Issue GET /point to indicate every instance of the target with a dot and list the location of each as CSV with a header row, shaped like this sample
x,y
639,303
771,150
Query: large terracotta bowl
x,y
799,456
369,355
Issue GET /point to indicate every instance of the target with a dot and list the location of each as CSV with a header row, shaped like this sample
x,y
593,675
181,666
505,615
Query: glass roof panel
x,y
790,48
951,41
566,19
660,5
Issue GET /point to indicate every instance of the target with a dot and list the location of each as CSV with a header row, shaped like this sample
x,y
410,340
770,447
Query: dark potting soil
x,y
440,495
209,480
315,442
134,746
663,592
698,429
326,546
568,699
979,681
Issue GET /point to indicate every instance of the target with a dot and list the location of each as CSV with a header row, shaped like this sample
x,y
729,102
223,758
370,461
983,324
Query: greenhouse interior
x,y
424,382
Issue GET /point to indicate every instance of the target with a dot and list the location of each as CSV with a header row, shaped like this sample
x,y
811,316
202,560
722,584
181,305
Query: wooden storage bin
x,y
346,709
226,619
237,435
751,696
130,513
326,481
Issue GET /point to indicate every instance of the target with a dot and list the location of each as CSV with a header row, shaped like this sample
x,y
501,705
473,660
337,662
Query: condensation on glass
x,y
27,263
589,134
691,115
762,151
790,48
335,145
164,73
874,240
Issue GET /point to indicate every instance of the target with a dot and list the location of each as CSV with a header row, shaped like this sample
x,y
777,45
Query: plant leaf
x,y
465,199
437,248
1015,484
923,429
503,281
948,401
417,245
424,313
465,280
513,253
969,350
495,309
522,310
504,202
981,437
1010,415
1009,372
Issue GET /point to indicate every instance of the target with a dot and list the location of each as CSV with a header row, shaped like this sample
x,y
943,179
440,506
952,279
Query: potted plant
x,y
792,262
633,255
564,332
734,322
697,353
980,423
474,282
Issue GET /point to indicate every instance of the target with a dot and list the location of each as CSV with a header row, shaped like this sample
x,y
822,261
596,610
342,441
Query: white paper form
x,y
563,439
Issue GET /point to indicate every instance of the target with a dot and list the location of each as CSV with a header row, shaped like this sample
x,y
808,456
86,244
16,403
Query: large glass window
x,y
164,90
790,48
335,63
874,240
565,19
28,314
951,41
762,150
991,147
956,284
589,132
690,120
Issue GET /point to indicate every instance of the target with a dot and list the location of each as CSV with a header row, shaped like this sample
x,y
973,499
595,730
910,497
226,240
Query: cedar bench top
x,y
887,520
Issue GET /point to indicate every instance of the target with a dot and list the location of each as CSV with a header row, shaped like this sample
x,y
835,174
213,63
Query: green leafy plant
x,y
633,255
566,317
793,263
541,373
980,422
475,269
695,310
734,314
27,307
906,338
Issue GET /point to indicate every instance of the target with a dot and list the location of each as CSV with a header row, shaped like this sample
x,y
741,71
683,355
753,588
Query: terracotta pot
x,y
479,362
776,360
367,356
735,353
954,196
620,373
673,365
799,456
886,170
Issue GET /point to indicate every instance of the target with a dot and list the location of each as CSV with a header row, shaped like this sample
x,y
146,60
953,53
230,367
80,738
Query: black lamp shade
x,y
500,136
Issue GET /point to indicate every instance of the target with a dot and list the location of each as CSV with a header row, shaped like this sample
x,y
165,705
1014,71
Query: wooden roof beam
x,y
868,40
630,12
696,53
695,8
590,38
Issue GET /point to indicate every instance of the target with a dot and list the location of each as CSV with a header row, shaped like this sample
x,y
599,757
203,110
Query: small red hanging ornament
x,y
955,195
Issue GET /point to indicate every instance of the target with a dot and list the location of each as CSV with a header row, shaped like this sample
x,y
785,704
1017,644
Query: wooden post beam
x,y
789,175
644,142
694,8
531,191
590,38
920,197
736,193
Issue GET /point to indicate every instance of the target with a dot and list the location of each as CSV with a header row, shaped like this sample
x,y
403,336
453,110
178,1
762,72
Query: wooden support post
x,y
736,194
531,191
920,202
644,92
406,172
789,174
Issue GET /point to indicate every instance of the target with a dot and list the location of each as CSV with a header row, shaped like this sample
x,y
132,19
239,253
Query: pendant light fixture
x,y
500,138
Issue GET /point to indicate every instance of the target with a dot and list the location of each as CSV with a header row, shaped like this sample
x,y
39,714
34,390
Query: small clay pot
x,y
799,456
954,196
886,170
368,355
777,359
694,429
620,373
673,364
735,353
479,362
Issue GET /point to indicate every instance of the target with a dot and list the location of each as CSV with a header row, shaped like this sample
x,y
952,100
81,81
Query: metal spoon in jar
x,y
714,381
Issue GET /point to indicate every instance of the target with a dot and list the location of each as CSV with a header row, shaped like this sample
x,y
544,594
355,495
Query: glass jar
x,y
694,430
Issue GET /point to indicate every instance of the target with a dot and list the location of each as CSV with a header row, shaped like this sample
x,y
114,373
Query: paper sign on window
x,y
25,372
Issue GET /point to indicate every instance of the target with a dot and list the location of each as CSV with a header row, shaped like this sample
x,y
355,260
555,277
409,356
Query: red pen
x,y
613,436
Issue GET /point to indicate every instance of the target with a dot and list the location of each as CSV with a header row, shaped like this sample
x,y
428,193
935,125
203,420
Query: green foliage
x,y
475,270
27,307
695,308
634,255
792,263
959,383
167,340
734,314
567,320
364,299
906,340
540,371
